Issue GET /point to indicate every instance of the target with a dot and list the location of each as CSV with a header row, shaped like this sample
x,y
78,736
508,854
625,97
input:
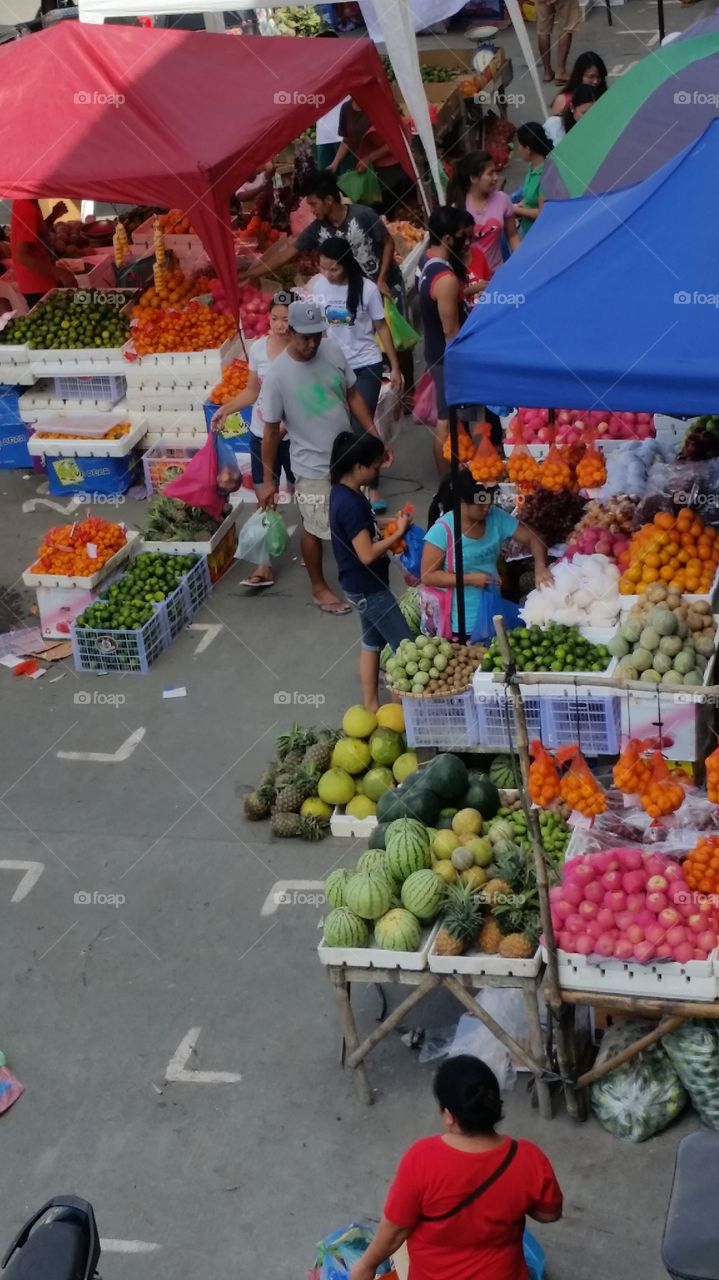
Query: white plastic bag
x,y
388,415
506,1006
252,540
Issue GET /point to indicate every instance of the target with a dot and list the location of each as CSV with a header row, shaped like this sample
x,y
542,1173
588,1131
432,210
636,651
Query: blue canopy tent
x,y
611,302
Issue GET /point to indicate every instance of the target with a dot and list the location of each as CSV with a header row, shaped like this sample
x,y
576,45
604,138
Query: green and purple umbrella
x,y
648,116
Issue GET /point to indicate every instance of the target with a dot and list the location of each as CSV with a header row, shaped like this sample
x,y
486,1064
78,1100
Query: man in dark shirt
x,y
352,127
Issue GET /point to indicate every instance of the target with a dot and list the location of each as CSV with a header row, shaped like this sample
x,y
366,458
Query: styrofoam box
x,y
409,265
677,709
189,548
376,958
343,824
75,447
207,365
43,400
479,964
81,361
181,426
59,580
576,682
693,981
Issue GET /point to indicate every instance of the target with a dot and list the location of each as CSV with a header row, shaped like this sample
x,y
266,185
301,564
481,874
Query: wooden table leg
x,y
349,1031
536,1044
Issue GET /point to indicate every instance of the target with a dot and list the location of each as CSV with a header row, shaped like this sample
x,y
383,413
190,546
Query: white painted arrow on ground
x,y
32,504
177,1072
128,1246
105,757
212,630
33,871
280,894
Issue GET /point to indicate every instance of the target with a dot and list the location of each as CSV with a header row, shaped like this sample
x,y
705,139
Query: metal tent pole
x,y
457,507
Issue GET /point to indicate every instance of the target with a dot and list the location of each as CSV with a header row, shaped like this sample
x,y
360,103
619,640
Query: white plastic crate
x,y
58,580
204,366
496,721
480,964
187,548
130,652
164,462
695,980
373,957
446,723
44,399
594,722
76,447
97,387
346,826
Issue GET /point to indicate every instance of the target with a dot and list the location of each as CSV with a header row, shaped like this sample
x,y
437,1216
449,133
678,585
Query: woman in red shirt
x,y
460,1199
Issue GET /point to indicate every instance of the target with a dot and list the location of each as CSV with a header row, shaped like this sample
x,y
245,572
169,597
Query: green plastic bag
x,y
404,336
361,188
693,1050
641,1097
276,535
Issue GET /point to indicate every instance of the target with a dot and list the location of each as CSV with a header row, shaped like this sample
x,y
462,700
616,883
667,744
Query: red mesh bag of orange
x,y
486,466
465,446
701,867
663,793
543,776
555,472
592,469
711,765
579,788
522,468
632,772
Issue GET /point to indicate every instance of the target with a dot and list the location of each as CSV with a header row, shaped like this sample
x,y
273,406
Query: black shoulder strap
x,y
478,1191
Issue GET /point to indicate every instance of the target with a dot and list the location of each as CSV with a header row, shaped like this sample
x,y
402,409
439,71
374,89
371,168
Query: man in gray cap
x,y
311,388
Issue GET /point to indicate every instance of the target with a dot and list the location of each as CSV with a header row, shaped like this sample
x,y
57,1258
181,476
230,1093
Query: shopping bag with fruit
x,y
522,468
579,788
198,484
543,776
555,473
338,1252
632,772
486,466
591,469
663,792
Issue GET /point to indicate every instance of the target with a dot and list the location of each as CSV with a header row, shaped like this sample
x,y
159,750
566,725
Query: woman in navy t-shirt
x,y
361,553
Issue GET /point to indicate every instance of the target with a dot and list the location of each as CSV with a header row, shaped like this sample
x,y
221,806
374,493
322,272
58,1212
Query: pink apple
x,y
673,871
613,864
633,881
563,909
612,880
676,936
623,949
645,917
574,923
632,859
664,951
683,953
644,952
699,955
624,919
588,910
594,930
635,902
655,934
601,860
583,873
707,940
635,933
696,922
616,901
655,864
657,884
584,944
593,892
605,917
573,893
555,893
605,944
668,917
656,902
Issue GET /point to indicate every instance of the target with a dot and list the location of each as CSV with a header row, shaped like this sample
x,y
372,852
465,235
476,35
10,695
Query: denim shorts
x,y
282,462
381,619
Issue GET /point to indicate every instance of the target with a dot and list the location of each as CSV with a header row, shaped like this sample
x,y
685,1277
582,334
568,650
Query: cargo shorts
x,y
566,15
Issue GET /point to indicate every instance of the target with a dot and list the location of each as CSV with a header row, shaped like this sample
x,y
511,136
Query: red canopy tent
x,y
172,118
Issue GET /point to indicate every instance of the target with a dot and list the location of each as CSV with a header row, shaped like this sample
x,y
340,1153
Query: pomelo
x,y
361,807
376,781
358,722
352,755
336,787
444,844
467,822
386,746
391,716
404,765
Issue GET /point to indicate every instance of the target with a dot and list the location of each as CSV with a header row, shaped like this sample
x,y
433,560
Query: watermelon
x,y
398,930
408,801
502,772
375,860
368,894
335,887
408,848
423,894
447,776
377,839
409,606
481,794
342,928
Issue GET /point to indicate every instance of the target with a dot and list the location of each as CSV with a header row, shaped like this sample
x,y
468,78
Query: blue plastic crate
x,y
13,445
495,716
446,723
238,437
90,475
121,652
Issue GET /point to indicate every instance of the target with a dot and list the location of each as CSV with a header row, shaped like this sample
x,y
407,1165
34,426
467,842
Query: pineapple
x,y
297,740
292,760
290,798
494,891
489,937
286,825
460,920
318,756
258,804
312,828
517,946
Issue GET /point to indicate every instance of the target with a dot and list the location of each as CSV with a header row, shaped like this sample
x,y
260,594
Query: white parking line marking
x,y
177,1072
128,1246
32,504
105,757
281,891
213,630
33,871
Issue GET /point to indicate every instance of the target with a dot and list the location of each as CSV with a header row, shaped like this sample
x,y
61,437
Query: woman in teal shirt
x,y
534,147
484,528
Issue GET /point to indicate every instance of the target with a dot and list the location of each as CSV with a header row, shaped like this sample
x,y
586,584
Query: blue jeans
x,y
369,385
381,619
282,462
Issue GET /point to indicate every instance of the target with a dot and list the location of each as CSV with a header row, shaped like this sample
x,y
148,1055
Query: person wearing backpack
x,y
460,1198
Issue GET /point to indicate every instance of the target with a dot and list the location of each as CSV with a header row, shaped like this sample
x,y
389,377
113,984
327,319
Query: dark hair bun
x,y
468,1089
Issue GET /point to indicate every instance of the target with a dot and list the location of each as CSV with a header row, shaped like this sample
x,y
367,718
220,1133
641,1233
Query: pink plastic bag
x,y
197,486
425,401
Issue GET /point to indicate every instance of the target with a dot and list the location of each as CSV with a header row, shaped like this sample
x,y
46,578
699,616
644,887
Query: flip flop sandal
x,y
334,612
254,581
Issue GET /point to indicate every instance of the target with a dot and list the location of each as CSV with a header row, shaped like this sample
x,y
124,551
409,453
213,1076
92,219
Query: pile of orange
x,y
701,867
64,549
487,468
176,290
465,447
234,380
176,223
554,475
523,469
631,773
196,328
260,230
711,766
592,470
662,796
119,430
679,550
543,777
582,792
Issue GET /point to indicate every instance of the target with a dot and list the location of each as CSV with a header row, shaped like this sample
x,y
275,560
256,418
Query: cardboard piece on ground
x,y
53,651
401,1263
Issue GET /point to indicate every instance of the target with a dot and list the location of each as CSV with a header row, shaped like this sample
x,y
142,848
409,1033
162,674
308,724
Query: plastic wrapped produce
x,y
693,1050
628,469
641,1097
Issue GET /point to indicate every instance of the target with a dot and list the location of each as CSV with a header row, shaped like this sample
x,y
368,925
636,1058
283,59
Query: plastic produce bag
x,y
229,476
543,776
486,466
338,1252
197,486
424,409
276,535
388,415
492,602
641,1097
360,188
252,540
506,1006
404,336
693,1050
411,558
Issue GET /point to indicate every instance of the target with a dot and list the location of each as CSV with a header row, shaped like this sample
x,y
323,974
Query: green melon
x,y
386,746
423,894
368,894
481,794
447,776
335,885
398,930
376,781
408,848
405,765
342,928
